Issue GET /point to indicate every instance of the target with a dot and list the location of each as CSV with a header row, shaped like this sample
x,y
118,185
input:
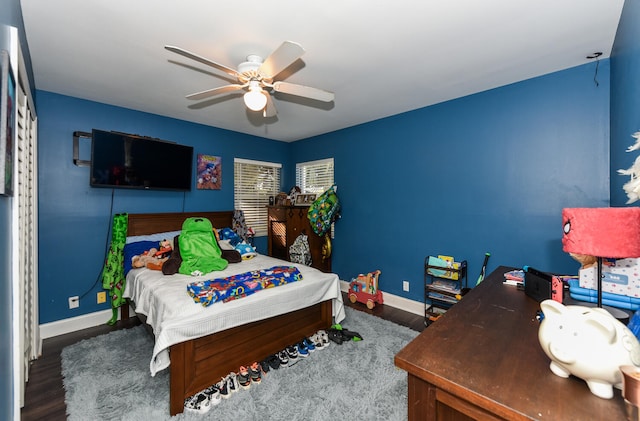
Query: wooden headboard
x,y
150,223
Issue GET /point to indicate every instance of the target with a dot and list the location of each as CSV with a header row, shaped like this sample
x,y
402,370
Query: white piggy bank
x,y
589,343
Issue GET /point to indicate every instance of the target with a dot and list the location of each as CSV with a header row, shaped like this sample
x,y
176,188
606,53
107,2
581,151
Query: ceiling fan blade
x,y
280,59
270,108
215,91
304,91
202,60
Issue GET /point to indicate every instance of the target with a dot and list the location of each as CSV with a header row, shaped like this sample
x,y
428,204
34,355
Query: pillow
x,y
225,245
153,237
134,249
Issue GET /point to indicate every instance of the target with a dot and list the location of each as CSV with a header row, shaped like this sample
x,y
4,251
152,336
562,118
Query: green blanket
x,y
198,247
113,272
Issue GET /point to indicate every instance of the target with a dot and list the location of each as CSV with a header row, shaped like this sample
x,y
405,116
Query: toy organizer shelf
x,y
444,286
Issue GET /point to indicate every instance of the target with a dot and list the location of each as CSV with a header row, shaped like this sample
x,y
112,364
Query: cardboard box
x,y
621,276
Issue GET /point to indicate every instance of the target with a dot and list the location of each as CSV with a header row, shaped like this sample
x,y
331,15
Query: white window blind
x,y
253,183
315,176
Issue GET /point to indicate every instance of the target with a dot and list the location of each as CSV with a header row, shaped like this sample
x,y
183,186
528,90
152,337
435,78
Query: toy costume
x,y
113,277
199,249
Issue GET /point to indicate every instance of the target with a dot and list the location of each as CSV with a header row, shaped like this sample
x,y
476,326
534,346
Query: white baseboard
x,y
415,307
61,327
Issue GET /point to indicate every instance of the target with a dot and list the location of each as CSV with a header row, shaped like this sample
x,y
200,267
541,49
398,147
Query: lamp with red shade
x,y
602,233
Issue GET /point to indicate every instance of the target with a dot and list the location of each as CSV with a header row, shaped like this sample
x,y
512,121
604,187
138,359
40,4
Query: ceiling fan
x,y
256,77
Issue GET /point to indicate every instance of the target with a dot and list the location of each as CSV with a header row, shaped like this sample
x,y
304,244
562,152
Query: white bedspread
x,y
175,317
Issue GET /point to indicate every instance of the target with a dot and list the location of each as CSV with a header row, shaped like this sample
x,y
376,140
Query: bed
x,y
200,345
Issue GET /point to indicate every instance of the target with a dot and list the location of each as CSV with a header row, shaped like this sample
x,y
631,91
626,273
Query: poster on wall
x,y
7,124
209,172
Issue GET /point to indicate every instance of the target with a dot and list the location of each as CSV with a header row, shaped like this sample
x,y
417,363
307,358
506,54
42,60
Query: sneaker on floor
x,y
244,378
311,346
303,351
213,393
335,335
283,358
223,388
198,403
351,335
256,372
264,366
232,383
317,342
323,339
292,353
274,361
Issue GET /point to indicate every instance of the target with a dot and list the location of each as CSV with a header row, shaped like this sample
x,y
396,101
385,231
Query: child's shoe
x,y
322,338
283,358
213,393
302,349
228,385
255,371
292,353
198,403
244,379
311,346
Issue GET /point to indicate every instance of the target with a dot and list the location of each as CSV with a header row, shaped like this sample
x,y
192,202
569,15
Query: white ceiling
x,y
380,58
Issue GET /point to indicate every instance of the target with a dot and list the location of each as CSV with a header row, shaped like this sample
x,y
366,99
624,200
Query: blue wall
x,y
625,98
489,172
74,218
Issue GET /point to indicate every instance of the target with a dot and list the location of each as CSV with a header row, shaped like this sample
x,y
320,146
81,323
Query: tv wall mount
x,y
76,149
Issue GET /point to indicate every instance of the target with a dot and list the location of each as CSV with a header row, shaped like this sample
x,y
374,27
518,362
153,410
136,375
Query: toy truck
x,y
364,289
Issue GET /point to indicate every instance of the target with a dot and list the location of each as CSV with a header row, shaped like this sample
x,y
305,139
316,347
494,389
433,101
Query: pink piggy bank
x,y
589,343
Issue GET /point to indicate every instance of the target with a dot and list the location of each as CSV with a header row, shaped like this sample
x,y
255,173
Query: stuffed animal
x,y
148,259
246,251
229,235
585,260
172,265
165,249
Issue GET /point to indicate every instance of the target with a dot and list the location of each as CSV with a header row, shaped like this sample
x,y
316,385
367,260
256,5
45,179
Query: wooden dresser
x,y
482,360
285,224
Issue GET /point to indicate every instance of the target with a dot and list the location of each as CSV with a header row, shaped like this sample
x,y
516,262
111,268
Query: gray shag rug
x,y
107,378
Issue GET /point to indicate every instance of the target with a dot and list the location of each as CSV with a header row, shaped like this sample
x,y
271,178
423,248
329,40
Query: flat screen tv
x,y
120,160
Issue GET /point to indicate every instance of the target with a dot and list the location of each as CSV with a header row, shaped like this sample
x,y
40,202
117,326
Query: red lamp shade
x,y
603,232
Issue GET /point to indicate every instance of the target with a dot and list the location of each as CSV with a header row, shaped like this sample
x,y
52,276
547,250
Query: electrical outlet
x,y
102,297
74,302
405,285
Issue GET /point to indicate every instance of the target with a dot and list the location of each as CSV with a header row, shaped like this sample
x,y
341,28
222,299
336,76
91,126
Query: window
x,y
314,176
253,183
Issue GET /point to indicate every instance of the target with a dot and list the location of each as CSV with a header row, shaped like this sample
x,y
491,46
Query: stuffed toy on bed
x,y
198,247
149,259
172,265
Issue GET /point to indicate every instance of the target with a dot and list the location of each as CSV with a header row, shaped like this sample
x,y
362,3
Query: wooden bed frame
x,y
199,363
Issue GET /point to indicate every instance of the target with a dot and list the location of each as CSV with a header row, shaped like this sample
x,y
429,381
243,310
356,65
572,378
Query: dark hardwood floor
x,y
44,395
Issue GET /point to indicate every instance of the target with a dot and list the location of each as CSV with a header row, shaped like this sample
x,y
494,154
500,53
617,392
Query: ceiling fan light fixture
x,y
256,76
255,98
